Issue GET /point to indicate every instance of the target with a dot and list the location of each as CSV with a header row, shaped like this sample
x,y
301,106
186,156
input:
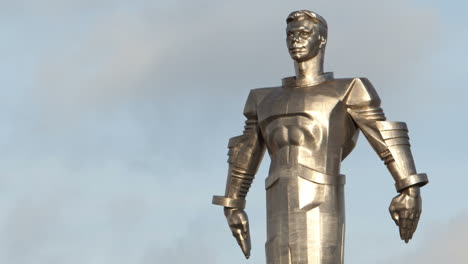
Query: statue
x,y
309,125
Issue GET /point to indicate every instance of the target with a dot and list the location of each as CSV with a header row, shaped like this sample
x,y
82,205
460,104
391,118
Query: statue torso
x,y
306,126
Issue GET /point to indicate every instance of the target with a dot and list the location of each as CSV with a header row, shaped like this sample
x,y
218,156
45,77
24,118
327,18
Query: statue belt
x,y
305,173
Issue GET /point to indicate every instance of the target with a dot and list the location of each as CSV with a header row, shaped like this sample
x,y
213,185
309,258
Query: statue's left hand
x,y
239,224
405,209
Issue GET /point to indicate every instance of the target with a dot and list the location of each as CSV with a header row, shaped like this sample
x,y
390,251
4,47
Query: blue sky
x,y
116,115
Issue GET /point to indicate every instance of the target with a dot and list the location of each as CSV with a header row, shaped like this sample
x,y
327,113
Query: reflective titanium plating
x,y
309,125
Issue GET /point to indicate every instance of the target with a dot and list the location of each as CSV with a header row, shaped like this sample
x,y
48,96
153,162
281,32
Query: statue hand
x,y
405,210
239,224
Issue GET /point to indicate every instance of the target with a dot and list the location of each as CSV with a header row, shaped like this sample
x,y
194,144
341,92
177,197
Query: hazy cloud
x,y
119,114
445,243
103,66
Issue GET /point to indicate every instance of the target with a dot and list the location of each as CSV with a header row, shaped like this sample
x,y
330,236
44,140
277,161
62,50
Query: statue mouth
x,y
295,48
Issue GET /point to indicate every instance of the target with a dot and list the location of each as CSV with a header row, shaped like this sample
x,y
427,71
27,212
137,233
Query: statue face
x,y
302,39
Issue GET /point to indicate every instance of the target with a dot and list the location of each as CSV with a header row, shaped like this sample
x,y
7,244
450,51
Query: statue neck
x,y
308,71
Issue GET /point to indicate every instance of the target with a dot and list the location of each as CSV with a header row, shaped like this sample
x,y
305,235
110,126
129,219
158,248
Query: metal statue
x,y
309,125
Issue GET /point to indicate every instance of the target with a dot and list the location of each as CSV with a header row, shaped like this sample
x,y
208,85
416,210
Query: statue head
x,y
306,33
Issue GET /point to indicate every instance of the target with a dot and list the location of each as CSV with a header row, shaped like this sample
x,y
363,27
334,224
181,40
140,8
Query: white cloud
x,y
126,118
106,65
444,243
127,54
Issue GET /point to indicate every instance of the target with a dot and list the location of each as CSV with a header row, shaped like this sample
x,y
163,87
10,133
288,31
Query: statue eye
x,y
290,34
305,34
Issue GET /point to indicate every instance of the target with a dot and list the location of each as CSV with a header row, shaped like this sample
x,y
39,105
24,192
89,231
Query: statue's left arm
x,y
245,154
391,142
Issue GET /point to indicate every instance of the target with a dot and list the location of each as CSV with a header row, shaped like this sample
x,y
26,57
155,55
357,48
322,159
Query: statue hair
x,y
316,18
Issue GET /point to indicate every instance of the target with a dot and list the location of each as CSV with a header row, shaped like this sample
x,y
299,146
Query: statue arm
x,y
391,142
245,154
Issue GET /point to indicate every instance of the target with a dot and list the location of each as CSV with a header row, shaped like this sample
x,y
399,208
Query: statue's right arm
x,y
390,140
245,154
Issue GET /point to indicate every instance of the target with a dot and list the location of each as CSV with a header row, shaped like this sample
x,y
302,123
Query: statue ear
x,y
323,41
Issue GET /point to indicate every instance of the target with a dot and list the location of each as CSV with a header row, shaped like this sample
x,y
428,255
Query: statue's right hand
x,y
239,224
405,210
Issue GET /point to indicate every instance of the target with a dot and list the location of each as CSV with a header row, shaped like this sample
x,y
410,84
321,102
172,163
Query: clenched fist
x,y
405,209
239,224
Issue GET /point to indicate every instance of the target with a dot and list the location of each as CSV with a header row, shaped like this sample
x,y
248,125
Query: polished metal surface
x,y
308,125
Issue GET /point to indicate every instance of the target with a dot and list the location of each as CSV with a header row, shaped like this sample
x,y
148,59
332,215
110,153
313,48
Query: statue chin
x,y
299,58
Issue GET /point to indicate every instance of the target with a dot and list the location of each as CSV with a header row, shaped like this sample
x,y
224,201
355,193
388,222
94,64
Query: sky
x,y
115,117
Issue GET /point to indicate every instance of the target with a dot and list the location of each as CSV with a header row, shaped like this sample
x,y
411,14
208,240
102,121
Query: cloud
x,y
444,243
120,137
104,66
147,53
56,213
193,245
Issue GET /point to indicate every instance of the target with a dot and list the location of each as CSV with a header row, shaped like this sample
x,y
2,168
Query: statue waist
x,y
304,173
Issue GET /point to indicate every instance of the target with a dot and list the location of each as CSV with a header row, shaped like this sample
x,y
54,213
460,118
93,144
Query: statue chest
x,y
308,126
318,107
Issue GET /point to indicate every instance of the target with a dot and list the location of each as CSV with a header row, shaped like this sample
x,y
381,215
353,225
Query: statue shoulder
x,y
361,93
261,93
255,97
